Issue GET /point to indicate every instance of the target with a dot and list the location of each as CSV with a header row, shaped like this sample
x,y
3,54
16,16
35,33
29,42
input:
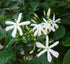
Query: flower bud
x,y
48,13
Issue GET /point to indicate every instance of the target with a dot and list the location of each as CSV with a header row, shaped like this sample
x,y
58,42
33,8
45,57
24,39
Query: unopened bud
x,y
49,11
35,15
23,38
27,28
44,13
15,20
33,20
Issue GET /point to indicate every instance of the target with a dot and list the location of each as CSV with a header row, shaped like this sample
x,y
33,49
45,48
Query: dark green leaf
x,y
6,56
66,40
41,60
59,33
11,42
66,59
2,33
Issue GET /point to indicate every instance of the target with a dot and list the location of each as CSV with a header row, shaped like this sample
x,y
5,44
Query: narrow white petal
x,y
34,28
25,23
53,25
33,24
49,56
47,41
54,53
54,44
42,52
51,28
56,26
39,45
54,17
36,32
19,17
39,32
14,32
58,20
44,20
9,28
9,22
20,31
45,32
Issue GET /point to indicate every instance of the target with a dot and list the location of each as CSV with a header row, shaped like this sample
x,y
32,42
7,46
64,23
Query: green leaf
x,y
66,40
11,42
34,5
2,33
66,21
41,60
6,55
66,59
59,33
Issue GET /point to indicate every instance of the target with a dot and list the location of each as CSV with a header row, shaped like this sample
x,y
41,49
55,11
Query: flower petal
x,y
54,53
42,52
39,45
58,20
9,28
36,32
49,56
19,17
14,32
56,26
33,24
45,20
54,17
34,28
54,44
44,31
47,41
25,23
20,31
39,32
9,22
51,28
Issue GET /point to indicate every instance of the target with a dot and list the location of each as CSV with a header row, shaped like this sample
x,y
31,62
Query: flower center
x,y
47,48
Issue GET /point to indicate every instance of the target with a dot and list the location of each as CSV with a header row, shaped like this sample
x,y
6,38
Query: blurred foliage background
x,y
16,51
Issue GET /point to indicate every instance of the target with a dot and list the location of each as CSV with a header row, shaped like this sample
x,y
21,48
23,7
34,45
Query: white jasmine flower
x,y
47,49
16,26
53,22
38,29
47,25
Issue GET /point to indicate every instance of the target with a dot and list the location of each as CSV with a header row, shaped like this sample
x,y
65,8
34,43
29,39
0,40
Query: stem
x,y
16,54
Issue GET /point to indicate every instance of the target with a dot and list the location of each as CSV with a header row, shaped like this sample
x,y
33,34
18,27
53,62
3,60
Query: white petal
x,y
39,32
9,22
54,17
45,32
51,28
54,44
34,28
9,28
42,52
25,23
56,26
44,20
49,56
33,24
19,17
20,31
54,53
47,41
36,32
58,20
39,45
14,32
